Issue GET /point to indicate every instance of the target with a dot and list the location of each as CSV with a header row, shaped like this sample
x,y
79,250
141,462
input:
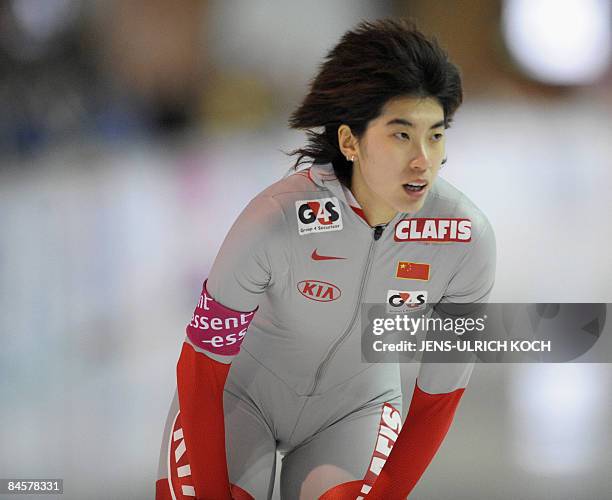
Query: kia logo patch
x,y
321,291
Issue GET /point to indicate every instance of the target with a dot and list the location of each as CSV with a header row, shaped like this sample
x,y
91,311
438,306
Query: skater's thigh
x,y
250,447
352,449
250,450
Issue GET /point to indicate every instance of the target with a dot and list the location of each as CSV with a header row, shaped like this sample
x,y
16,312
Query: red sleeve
x,y
200,425
200,382
426,425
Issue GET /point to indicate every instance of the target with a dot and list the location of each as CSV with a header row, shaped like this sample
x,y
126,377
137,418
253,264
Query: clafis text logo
x,y
388,432
179,470
434,230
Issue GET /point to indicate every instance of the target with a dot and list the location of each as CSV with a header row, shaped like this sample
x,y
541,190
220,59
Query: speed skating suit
x,y
295,269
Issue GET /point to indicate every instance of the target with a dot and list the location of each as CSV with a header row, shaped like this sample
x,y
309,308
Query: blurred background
x,y
133,132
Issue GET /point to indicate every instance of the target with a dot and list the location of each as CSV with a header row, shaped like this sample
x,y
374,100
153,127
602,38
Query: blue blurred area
x,y
133,135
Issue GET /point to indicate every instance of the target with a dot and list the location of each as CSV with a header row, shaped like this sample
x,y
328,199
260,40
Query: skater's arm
x,y
439,386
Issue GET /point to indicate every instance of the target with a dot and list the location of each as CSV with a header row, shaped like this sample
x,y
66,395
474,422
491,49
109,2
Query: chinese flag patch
x,y
412,271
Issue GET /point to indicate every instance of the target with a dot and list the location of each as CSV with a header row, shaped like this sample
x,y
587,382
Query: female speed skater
x,y
272,358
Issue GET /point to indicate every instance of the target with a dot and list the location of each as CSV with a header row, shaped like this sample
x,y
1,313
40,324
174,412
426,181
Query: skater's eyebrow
x,y
403,121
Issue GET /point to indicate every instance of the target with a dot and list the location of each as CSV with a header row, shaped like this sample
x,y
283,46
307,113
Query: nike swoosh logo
x,y
316,256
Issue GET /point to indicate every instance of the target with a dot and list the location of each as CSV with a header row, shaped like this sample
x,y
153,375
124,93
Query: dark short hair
x,y
372,64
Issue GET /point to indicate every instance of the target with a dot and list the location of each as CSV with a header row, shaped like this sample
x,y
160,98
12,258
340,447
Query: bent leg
x,y
250,449
346,456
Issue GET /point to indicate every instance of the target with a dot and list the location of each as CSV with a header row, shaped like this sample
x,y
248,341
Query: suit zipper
x,y
378,230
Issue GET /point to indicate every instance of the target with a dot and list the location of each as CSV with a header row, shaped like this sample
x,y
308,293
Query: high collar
x,y
324,176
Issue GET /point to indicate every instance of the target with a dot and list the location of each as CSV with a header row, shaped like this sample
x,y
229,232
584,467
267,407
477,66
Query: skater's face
x,y
397,159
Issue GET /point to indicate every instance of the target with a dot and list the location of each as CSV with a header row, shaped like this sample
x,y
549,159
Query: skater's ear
x,y
347,142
